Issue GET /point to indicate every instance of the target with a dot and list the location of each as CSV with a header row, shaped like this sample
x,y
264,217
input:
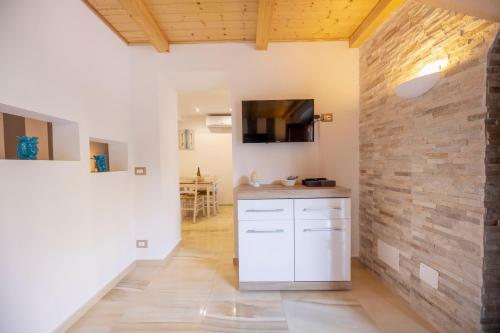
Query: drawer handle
x,y
276,231
265,210
320,209
324,229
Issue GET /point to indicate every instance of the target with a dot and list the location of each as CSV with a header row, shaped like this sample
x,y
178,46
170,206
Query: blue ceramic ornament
x,y
101,163
27,147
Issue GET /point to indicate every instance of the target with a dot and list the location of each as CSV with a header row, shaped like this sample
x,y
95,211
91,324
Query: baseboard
x,y
65,325
110,285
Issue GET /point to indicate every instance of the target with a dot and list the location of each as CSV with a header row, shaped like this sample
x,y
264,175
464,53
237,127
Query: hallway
x,y
195,292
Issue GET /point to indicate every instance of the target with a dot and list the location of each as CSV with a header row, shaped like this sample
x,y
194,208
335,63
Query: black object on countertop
x,y
319,182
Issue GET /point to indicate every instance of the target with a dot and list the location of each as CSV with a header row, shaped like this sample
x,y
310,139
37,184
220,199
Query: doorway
x,y
205,154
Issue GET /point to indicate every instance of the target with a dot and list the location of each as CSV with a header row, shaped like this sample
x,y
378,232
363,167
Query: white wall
x,y
212,153
64,233
325,71
156,195
169,167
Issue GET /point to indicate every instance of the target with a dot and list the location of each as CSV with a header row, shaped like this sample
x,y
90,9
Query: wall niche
x,y
58,139
115,152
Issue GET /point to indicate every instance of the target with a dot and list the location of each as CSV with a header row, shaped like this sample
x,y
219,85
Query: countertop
x,y
246,192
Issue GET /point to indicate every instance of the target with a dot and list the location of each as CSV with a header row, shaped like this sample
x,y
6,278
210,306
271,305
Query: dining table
x,y
205,183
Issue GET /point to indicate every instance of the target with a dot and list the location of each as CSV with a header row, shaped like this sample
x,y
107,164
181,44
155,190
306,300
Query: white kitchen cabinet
x,y
294,244
266,250
322,250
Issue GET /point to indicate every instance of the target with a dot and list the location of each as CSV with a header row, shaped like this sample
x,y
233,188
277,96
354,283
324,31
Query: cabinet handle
x,y
320,209
265,210
324,229
265,231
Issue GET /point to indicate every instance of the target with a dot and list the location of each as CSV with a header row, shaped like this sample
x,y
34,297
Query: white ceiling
x,y
214,101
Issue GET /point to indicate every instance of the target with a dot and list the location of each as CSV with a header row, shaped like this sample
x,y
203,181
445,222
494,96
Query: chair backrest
x,y
189,188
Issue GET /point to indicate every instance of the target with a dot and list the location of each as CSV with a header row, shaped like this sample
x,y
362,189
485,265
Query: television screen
x,y
278,121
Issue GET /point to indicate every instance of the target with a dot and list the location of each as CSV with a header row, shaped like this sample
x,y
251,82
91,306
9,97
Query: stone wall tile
x,y
422,163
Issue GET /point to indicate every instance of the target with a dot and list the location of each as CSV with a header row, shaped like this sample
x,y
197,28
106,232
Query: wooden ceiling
x,y
161,22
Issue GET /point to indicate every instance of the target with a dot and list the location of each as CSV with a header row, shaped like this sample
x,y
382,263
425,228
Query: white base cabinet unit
x,y
266,250
294,243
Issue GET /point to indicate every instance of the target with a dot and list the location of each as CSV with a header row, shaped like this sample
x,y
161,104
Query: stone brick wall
x,y
490,316
422,170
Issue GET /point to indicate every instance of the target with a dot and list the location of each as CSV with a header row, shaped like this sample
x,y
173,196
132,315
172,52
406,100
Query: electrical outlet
x,y
141,243
327,117
140,171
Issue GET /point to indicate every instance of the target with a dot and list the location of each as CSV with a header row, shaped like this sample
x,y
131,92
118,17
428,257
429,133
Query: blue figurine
x,y
27,147
101,163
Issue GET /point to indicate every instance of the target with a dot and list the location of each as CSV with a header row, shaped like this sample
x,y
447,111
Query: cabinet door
x,y
323,250
266,250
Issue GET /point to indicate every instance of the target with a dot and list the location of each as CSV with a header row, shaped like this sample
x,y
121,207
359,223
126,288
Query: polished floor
x,y
195,292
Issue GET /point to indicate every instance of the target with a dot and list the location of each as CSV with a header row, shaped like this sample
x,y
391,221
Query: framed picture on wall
x,y
186,139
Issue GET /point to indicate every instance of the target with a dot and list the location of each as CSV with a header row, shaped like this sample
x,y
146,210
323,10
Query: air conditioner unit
x,y
218,121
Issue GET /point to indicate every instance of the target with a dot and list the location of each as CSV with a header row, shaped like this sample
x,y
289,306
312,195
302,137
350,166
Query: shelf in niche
x,y
58,138
116,154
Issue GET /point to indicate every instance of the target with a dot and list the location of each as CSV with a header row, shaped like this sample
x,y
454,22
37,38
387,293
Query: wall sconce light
x,y
427,78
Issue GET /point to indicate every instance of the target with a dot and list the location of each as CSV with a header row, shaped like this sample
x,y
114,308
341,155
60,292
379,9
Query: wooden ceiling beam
x,y
374,20
485,9
103,19
141,15
264,18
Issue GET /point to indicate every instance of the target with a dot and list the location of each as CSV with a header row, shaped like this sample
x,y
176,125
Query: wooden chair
x,y
213,190
214,196
192,200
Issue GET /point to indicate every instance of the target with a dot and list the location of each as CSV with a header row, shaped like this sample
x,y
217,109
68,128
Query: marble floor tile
x,y
139,278
244,316
101,318
123,296
173,312
222,290
391,318
196,291
156,328
339,317
132,284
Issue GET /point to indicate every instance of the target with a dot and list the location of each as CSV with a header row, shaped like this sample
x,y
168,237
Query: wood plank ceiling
x,y
164,22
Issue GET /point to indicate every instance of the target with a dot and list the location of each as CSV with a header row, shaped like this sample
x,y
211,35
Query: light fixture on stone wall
x,y
427,78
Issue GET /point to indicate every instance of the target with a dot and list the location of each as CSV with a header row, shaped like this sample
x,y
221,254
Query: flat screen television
x,y
290,120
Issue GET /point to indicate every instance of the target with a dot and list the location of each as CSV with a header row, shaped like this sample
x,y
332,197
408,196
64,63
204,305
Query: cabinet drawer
x,y
265,209
317,209
323,250
266,251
